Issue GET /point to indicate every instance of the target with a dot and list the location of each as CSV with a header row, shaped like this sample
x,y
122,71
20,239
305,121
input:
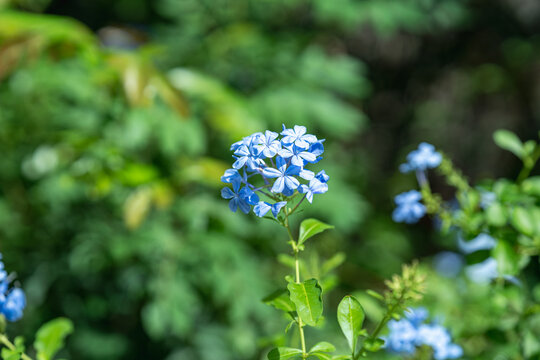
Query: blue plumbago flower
x,y
315,187
12,302
409,209
425,157
481,242
411,332
298,137
237,198
322,177
285,175
269,146
263,207
281,164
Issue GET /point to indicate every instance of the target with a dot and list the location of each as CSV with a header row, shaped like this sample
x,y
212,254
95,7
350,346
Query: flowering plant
x,y
49,338
496,227
271,176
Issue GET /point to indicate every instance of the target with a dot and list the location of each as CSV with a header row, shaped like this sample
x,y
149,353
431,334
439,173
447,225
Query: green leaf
x,y
523,221
50,337
322,356
282,353
341,357
311,227
322,346
496,214
374,345
333,262
280,300
531,185
308,300
350,316
507,258
509,141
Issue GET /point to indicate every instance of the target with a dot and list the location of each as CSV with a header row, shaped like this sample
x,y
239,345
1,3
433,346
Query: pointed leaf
x,y
323,346
509,141
341,357
50,337
350,317
311,227
307,298
280,300
282,353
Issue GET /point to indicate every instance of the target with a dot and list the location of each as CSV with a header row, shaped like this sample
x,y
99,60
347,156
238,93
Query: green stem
x,y
294,245
529,165
5,341
387,317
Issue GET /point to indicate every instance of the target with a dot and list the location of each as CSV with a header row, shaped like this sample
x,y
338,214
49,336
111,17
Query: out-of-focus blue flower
x,y
285,175
417,315
268,157
12,302
487,198
297,136
425,157
409,209
483,272
481,242
448,264
315,187
411,332
263,207
236,197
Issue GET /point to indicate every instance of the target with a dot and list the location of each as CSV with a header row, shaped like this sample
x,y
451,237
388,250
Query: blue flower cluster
x,y
409,208
280,163
425,157
12,301
411,332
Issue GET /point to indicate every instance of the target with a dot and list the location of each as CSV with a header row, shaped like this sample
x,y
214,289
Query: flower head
x,y
411,332
425,157
409,209
281,164
12,301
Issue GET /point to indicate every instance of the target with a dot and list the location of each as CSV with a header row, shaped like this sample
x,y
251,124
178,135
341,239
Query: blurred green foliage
x,y
113,138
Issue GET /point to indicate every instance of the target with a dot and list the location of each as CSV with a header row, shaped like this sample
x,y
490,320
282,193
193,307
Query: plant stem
x,y
5,341
387,317
528,165
294,245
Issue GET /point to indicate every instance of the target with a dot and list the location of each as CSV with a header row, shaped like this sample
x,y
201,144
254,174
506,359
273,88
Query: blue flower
x,y
268,146
267,156
483,272
315,187
322,176
246,155
297,136
12,302
298,156
409,209
411,332
425,157
263,207
237,198
481,242
231,175
285,176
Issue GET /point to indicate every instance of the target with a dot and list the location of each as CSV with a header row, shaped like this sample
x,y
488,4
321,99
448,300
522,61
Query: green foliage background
x,y
115,124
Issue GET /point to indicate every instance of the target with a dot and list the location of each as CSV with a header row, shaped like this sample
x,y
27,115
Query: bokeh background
x,y
115,122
